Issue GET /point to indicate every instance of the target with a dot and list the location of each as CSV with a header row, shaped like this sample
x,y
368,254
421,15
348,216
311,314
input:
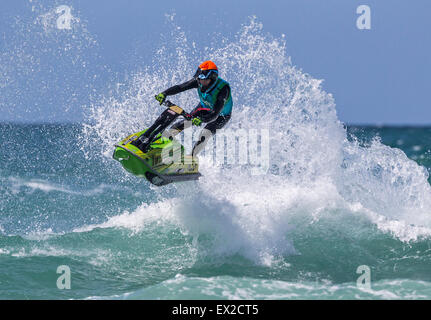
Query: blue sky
x,y
377,76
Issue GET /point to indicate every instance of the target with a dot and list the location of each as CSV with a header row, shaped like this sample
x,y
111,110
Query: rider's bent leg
x,y
209,130
204,137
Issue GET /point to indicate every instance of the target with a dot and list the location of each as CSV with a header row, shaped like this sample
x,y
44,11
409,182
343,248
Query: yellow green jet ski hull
x,y
164,163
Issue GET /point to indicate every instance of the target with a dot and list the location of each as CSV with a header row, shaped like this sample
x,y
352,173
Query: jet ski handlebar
x,y
177,109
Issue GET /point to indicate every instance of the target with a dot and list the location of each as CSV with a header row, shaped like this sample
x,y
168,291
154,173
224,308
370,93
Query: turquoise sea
x,y
123,239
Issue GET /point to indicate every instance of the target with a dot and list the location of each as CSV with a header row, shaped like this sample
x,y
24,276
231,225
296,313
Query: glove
x,y
161,97
197,121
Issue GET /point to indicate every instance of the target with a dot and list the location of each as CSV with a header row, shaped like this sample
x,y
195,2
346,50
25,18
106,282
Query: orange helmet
x,y
207,70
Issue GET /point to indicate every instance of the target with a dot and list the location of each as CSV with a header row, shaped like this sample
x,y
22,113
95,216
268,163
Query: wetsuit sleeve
x,y
191,84
222,97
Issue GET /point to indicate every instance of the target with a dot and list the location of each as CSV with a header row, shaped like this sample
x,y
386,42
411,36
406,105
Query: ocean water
x,y
335,200
123,239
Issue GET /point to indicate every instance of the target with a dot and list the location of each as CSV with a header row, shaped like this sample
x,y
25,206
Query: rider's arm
x,y
191,84
222,97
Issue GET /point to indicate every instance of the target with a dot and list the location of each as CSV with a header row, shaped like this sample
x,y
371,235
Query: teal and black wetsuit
x,y
215,105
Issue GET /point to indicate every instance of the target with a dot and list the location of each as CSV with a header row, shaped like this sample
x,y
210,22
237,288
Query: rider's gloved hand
x,y
197,121
161,97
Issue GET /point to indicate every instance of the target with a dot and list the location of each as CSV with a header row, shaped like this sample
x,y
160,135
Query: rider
x,y
214,108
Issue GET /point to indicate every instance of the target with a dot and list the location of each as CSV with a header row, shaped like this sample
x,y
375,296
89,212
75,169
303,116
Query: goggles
x,y
204,74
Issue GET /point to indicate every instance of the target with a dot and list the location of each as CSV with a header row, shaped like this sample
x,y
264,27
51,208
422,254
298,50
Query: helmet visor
x,y
204,74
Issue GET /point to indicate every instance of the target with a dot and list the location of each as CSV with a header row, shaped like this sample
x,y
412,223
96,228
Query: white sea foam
x,y
315,169
232,288
17,185
138,219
